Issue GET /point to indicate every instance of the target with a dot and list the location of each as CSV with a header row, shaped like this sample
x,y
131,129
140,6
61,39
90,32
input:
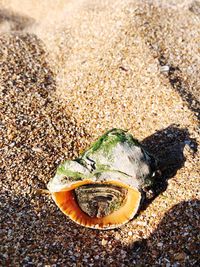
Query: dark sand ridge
x,y
107,73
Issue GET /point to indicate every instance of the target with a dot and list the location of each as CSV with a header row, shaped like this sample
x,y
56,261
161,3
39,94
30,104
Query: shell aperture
x,y
100,200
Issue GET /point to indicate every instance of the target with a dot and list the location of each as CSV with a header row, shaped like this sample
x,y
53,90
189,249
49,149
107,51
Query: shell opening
x,y
126,208
100,200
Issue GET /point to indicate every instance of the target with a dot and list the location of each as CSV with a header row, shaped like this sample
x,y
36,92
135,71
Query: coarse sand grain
x,y
71,70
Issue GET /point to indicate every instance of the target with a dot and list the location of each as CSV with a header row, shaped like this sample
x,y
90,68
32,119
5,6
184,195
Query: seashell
x,y
103,187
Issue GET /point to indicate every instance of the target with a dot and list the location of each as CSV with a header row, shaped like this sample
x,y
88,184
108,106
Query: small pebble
x,y
164,68
130,233
104,242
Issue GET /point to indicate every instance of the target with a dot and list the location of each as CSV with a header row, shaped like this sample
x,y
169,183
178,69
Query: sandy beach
x,y
70,71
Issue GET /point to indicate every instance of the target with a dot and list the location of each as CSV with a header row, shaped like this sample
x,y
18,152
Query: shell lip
x,y
68,205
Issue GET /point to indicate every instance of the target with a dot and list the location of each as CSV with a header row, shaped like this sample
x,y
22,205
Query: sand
x,y
70,70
